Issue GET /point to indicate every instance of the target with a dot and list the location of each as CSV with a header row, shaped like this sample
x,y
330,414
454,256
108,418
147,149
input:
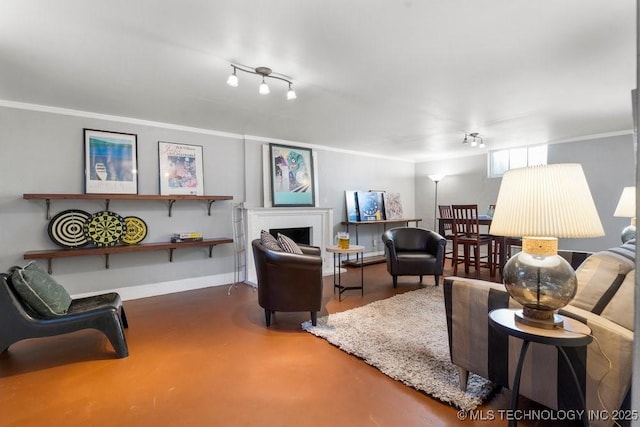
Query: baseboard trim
x,y
164,288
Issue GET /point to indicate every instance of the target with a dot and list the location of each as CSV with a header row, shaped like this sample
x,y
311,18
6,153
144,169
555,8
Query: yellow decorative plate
x,y
136,230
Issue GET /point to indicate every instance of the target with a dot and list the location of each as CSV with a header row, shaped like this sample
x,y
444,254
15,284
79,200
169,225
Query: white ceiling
x,y
398,78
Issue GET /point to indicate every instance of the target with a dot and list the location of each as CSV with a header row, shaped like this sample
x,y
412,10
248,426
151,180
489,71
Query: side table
x,y
337,253
572,334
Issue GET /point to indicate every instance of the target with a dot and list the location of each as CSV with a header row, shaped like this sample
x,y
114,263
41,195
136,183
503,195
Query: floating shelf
x,y
376,259
171,199
49,255
382,221
368,260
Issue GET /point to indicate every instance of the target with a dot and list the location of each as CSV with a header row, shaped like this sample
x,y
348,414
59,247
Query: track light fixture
x,y
264,72
476,140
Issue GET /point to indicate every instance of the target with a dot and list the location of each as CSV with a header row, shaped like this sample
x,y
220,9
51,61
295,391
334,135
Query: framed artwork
x,y
370,205
392,206
181,170
351,202
110,162
291,176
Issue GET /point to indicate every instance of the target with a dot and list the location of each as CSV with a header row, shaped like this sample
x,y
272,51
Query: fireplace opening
x,y
300,235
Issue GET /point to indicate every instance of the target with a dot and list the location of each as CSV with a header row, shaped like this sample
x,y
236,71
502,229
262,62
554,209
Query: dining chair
x,y
447,227
502,246
466,232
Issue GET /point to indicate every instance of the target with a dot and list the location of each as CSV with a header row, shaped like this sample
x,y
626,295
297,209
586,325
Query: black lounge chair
x,y
102,312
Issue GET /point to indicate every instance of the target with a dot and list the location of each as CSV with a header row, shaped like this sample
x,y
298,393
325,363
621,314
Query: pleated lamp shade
x,y
546,201
627,204
627,209
541,204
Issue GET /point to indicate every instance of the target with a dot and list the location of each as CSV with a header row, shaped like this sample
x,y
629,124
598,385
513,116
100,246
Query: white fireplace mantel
x,y
319,219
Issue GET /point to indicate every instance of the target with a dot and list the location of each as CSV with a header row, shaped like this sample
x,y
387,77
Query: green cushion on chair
x,y
40,291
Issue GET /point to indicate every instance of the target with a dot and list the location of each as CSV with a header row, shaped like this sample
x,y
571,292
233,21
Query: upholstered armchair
x,y
414,251
287,281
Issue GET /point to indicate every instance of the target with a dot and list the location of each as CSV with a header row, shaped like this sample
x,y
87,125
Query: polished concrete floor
x,y
205,358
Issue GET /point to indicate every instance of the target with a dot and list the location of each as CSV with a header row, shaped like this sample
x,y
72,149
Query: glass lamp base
x,y
628,233
549,320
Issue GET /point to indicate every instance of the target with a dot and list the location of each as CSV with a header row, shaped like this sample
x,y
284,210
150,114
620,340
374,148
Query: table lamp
x,y
541,204
627,209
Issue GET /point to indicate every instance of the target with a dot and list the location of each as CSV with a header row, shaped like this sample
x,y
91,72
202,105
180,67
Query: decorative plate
x,y
66,229
136,230
105,228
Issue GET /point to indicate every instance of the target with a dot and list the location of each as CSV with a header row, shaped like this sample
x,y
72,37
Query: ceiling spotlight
x,y
265,72
474,141
291,94
233,79
264,88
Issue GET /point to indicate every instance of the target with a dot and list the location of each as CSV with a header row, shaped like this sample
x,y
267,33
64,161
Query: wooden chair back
x,y
465,220
446,213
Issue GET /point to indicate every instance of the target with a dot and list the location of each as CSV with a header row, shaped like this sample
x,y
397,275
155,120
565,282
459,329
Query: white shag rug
x,y
405,337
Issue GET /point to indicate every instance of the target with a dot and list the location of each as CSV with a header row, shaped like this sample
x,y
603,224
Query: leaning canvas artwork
x,y
370,205
392,206
351,203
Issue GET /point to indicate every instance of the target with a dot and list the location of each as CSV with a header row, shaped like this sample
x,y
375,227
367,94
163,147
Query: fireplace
x,y
297,234
318,222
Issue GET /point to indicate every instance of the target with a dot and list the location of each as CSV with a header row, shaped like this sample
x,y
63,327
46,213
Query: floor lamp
x,y
436,179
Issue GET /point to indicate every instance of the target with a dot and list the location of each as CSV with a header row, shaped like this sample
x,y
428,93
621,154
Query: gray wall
x,y
43,153
608,164
340,171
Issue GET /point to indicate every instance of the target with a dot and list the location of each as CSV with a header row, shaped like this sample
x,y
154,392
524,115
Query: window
x,y
501,161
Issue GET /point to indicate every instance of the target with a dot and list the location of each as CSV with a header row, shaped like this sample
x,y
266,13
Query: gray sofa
x,y
604,301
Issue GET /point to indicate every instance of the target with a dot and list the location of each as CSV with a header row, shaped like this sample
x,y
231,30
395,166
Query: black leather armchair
x,y
414,251
102,312
288,282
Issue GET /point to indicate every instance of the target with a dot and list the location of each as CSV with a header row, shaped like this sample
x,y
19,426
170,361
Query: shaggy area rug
x,y
405,337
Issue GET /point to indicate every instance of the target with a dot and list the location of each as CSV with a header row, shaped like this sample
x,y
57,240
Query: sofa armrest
x,y
609,360
473,344
310,250
575,258
604,366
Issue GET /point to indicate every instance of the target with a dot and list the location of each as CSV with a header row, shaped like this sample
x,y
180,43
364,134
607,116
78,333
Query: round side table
x,y
337,252
572,334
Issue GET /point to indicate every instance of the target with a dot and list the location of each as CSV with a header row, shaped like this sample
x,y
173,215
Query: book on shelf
x,y
193,236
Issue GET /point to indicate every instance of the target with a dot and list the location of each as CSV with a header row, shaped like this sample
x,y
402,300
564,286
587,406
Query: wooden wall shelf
x,y
50,254
383,221
108,197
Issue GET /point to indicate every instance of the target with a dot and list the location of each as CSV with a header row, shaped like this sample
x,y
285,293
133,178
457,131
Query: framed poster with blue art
x,y
351,202
291,176
181,170
370,205
110,162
